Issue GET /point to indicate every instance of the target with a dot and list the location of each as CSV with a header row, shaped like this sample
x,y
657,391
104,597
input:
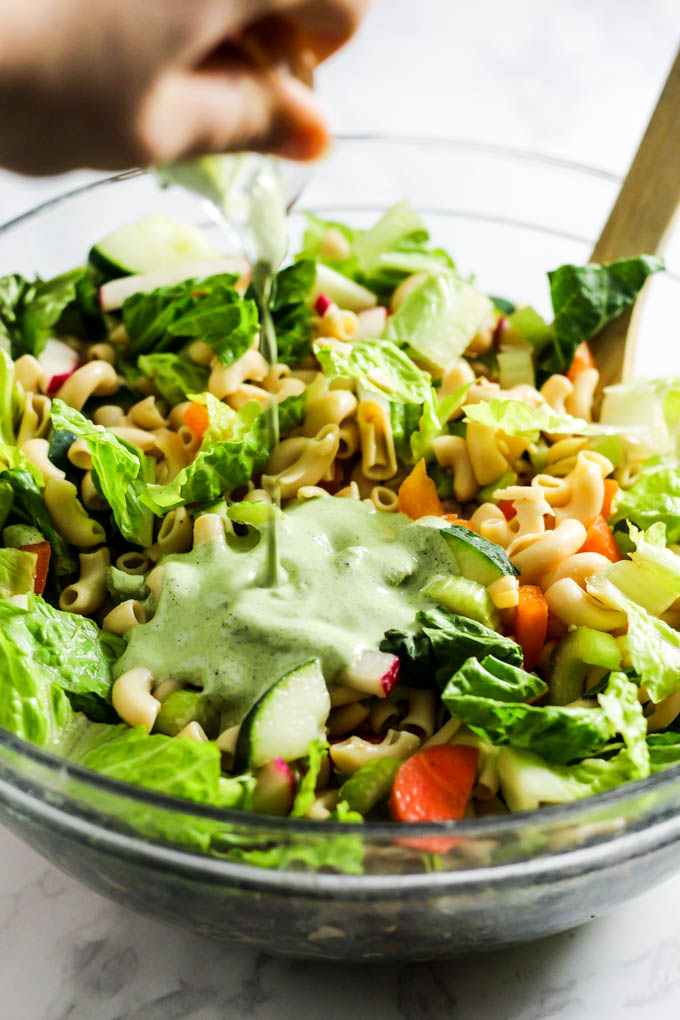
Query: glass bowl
x,y
411,892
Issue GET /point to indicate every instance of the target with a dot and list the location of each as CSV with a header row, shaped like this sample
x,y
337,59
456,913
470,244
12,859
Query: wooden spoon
x,y
639,223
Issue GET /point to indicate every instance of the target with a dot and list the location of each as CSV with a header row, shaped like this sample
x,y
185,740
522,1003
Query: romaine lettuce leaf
x,y
516,418
12,457
234,447
70,649
649,405
292,412
379,366
122,472
10,399
532,326
30,311
651,577
405,420
664,750
16,572
31,705
433,422
653,497
312,244
305,795
654,647
439,318
173,375
527,780
623,709
28,507
291,312
493,678
585,299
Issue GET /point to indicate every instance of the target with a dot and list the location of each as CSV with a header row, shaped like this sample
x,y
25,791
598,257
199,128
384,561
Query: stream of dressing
x,y
243,194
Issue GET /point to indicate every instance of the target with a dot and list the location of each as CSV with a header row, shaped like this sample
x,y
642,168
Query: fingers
x,y
230,109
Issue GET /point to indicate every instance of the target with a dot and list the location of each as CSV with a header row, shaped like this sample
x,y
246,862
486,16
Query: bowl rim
x,y
469,827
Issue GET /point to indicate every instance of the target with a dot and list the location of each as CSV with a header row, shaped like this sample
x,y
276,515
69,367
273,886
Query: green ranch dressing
x,y
348,574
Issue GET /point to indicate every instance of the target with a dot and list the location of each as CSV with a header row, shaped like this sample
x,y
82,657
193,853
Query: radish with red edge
x,y
115,292
374,673
371,323
274,791
322,304
499,329
58,361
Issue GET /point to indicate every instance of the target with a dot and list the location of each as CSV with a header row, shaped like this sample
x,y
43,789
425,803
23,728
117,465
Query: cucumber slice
x,y
153,243
286,719
576,653
345,292
371,783
465,597
476,557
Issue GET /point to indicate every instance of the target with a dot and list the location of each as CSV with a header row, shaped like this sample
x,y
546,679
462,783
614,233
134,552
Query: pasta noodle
x,y
96,379
123,617
88,594
36,450
68,515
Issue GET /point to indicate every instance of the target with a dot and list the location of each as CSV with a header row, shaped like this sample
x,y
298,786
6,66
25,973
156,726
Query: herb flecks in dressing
x,y
348,574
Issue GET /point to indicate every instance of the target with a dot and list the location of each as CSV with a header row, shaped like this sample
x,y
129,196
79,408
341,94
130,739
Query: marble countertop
x,y
575,79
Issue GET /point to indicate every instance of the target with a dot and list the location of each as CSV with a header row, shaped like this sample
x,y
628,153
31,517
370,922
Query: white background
x,y
572,78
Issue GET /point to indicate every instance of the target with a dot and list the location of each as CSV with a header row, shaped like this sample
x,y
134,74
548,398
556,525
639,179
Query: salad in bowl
x,y
437,589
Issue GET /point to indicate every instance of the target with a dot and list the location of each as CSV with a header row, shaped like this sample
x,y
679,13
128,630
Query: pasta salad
x,y
476,601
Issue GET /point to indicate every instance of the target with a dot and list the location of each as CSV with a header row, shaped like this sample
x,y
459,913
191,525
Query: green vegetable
x,y
123,473
585,299
292,412
466,598
493,678
304,798
477,557
532,326
17,535
623,709
173,375
654,497
646,405
290,310
558,734
122,586
30,311
433,422
527,780
68,649
578,650
31,705
313,248
654,647
515,367
210,310
235,446
370,784
516,418
664,750
182,707
439,318
28,506
10,399
16,572
651,577
405,420
11,457
176,766
379,366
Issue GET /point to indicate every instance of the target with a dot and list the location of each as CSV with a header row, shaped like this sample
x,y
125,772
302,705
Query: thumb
x,y
218,109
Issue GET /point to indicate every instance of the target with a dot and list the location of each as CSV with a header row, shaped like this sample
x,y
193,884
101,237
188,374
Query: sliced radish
x,y
58,361
340,289
374,673
114,293
322,304
275,790
371,323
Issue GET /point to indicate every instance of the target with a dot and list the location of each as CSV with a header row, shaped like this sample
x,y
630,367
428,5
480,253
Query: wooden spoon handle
x,y
641,220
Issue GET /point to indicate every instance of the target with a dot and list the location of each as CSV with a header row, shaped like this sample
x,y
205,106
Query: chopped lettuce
x,y
406,423
516,418
16,572
379,366
585,299
173,375
235,446
30,311
305,795
623,709
433,422
313,247
123,473
290,310
528,781
493,678
532,326
12,457
664,750
654,497
210,310
439,318
654,647
31,705
70,649
649,405
651,577
10,399
28,508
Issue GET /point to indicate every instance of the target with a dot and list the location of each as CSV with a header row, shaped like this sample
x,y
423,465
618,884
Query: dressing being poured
x,y
244,195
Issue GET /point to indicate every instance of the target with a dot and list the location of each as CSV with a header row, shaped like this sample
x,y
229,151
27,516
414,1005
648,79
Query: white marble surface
x,y
574,78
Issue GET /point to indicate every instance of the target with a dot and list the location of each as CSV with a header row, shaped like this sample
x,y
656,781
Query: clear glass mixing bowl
x,y
419,891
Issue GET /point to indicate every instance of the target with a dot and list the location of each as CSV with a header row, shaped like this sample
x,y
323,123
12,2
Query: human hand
x,y
117,83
